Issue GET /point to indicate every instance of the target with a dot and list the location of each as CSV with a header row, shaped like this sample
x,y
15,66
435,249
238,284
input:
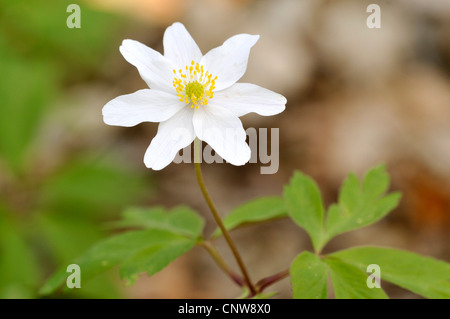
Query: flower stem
x,y
198,172
266,282
221,263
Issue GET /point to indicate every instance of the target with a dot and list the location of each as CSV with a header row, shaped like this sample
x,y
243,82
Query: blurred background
x,y
357,97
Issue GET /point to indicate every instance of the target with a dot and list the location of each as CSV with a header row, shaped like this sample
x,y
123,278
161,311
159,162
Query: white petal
x,y
173,135
180,47
154,68
141,106
229,61
223,131
244,98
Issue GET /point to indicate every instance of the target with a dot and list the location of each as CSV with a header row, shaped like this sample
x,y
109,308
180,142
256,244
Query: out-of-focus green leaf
x,y
91,188
26,89
265,295
309,277
180,220
376,182
305,207
350,282
39,28
154,258
258,210
19,270
423,275
102,286
37,52
245,294
360,206
159,246
67,235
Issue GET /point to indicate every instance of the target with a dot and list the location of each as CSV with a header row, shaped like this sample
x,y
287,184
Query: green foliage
x,y
180,220
19,270
266,295
309,277
39,28
88,186
348,272
305,207
359,205
165,235
350,282
155,257
37,53
423,275
254,211
163,240
262,295
144,250
66,237
48,217
310,274
25,98
58,230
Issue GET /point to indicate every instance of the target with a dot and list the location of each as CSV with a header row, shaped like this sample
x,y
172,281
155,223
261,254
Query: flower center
x,y
194,90
194,86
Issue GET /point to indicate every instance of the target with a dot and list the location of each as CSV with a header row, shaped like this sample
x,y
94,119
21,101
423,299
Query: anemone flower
x,y
192,96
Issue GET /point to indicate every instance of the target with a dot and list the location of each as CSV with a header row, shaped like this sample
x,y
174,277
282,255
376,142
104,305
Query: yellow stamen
x,y
195,86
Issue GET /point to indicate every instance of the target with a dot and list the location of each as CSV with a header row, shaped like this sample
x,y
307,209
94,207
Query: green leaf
x,y
305,207
159,246
264,295
360,206
39,28
25,97
102,286
154,258
350,282
309,277
91,187
66,238
376,182
180,220
257,210
245,293
19,270
425,276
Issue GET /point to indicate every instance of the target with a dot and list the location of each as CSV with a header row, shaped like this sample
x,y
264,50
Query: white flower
x,y
192,95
